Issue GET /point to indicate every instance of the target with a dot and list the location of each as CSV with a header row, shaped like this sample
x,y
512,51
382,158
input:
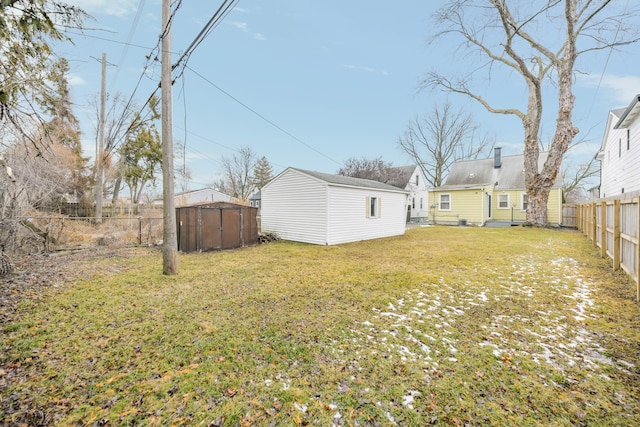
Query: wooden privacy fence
x,y
215,226
569,215
613,225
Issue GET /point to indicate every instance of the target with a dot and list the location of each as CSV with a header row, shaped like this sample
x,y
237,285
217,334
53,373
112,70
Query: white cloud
x,y
199,156
621,88
366,69
584,149
106,7
75,80
242,26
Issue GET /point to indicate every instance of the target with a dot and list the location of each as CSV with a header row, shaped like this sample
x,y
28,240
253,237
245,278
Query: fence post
x,y
616,234
594,224
638,249
578,225
603,229
242,227
140,230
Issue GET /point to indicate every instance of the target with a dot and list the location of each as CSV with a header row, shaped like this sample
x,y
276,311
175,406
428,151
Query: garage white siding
x,y
348,219
323,209
295,207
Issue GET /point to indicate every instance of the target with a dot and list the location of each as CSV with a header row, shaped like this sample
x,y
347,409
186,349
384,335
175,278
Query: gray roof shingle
x,y
349,181
475,173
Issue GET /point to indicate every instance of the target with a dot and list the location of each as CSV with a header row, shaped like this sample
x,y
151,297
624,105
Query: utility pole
x,y
100,148
170,234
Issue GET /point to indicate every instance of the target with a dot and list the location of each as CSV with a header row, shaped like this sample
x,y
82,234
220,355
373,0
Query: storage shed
x,y
325,209
213,226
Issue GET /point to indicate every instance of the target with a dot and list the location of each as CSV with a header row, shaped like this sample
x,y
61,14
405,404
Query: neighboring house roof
x,y
403,176
629,114
347,181
612,119
197,196
201,190
476,173
256,196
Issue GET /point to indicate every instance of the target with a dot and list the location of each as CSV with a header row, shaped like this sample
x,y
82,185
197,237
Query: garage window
x,y
373,207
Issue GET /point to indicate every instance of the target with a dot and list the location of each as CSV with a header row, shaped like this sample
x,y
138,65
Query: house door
x,y
489,206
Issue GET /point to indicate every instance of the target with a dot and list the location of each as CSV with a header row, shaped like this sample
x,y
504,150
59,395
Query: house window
x,y
619,147
420,202
628,138
373,207
524,202
503,201
417,179
413,203
445,202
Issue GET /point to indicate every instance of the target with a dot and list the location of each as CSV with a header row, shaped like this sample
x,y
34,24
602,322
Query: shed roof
x,y
347,181
510,175
218,204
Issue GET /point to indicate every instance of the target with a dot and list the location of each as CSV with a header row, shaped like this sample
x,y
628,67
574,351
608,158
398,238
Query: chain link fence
x,y
32,234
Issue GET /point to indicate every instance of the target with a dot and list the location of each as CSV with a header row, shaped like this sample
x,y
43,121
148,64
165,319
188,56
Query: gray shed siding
x,y
348,220
295,207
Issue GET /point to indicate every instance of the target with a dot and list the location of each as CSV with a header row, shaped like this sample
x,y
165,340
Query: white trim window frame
x,y
524,202
502,198
444,205
373,207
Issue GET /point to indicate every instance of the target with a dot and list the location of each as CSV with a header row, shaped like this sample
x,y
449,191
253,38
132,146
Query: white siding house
x,y
619,154
412,180
201,196
324,209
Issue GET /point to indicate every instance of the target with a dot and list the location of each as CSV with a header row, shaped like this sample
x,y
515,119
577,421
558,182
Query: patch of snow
x,y
409,399
300,407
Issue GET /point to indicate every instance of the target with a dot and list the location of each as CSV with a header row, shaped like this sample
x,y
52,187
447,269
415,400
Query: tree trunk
x,y
116,189
538,186
537,207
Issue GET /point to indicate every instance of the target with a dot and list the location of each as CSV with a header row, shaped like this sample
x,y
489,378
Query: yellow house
x,y
489,191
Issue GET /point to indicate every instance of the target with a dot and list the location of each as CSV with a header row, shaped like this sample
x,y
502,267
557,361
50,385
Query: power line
x,y
125,49
222,11
218,16
262,117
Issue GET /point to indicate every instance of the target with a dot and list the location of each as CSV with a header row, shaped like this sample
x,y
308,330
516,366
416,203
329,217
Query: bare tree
x,y
434,141
374,169
515,39
237,173
575,178
121,121
181,171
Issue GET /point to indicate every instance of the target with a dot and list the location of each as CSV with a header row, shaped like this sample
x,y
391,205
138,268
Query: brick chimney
x,y
497,158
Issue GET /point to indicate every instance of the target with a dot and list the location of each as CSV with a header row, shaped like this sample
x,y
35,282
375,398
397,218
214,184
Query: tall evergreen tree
x,y
63,127
27,28
262,173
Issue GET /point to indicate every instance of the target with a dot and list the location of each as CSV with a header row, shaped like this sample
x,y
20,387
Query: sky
x,y
310,84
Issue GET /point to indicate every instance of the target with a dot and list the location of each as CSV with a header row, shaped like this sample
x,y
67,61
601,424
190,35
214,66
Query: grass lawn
x,y
442,326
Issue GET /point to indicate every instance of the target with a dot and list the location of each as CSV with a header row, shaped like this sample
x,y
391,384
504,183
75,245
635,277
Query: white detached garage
x,y
324,209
